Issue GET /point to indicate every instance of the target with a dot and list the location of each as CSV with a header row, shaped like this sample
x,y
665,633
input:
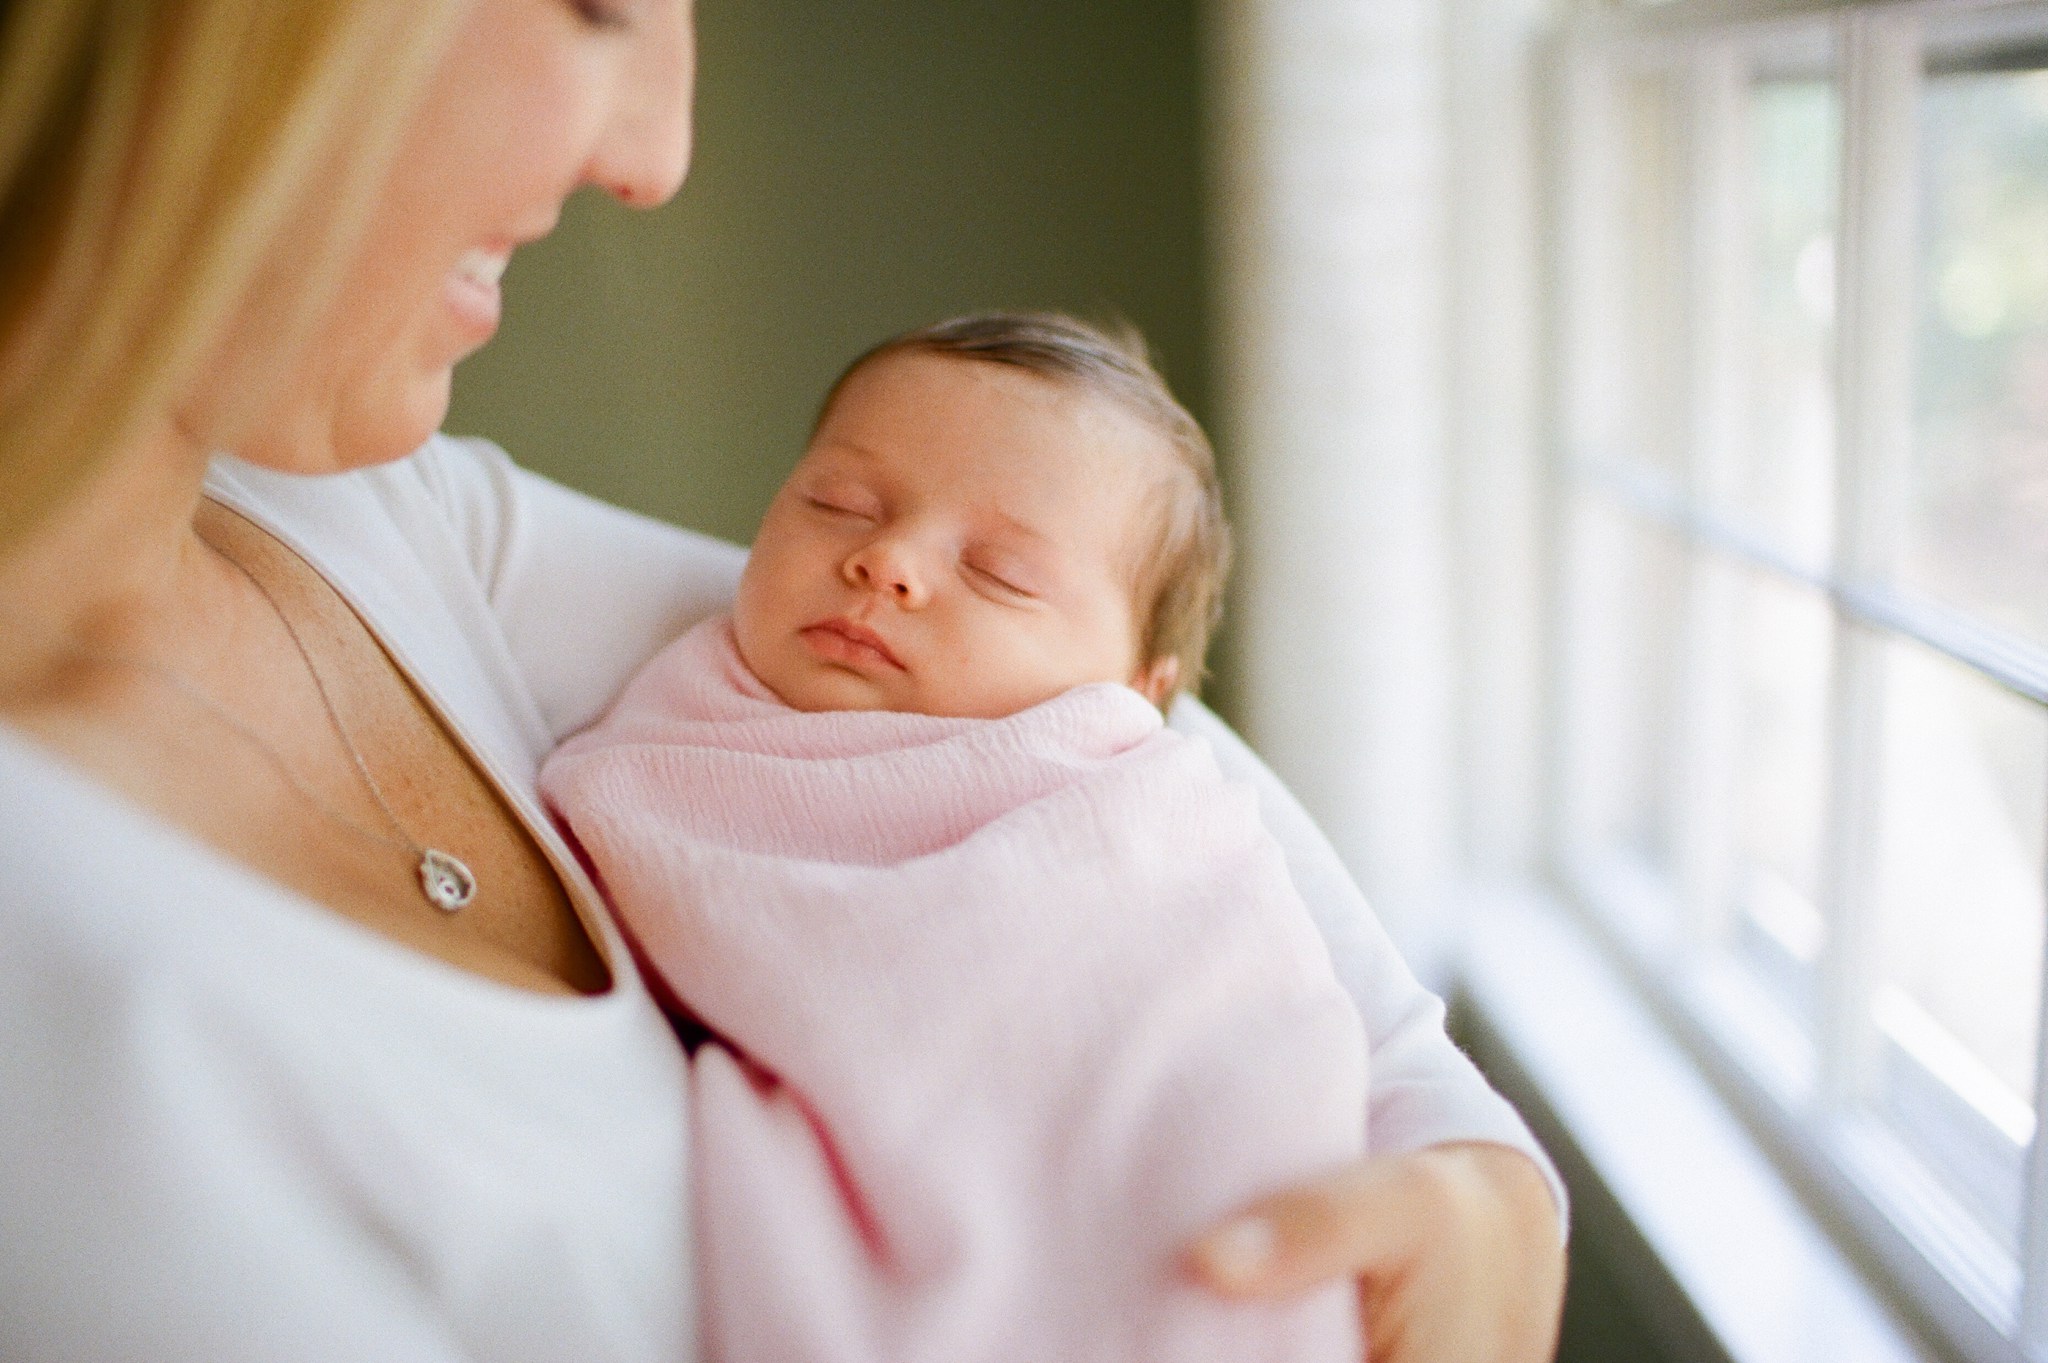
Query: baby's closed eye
x,y
1003,579
833,497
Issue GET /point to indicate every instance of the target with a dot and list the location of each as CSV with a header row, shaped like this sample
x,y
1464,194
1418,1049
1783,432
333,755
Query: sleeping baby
x,y
1007,993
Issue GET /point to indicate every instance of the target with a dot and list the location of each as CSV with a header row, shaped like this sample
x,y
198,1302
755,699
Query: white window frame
x,y
1804,1098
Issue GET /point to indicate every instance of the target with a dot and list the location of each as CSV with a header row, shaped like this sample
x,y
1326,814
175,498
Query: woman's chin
x,y
359,437
406,430
377,432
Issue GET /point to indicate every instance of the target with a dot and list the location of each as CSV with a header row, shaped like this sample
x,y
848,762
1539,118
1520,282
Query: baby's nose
x,y
887,567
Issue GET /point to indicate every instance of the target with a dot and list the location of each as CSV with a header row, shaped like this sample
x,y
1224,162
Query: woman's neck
x,y
117,568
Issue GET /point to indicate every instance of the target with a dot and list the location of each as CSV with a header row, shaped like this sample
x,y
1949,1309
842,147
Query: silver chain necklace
x,y
447,883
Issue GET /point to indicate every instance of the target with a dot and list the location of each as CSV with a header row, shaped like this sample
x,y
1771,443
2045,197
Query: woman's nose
x,y
888,565
644,151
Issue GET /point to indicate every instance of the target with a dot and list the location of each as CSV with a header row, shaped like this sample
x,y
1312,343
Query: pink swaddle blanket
x,y
1005,1012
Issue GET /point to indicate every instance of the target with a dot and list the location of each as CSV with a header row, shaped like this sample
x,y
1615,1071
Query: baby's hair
x,y
1179,577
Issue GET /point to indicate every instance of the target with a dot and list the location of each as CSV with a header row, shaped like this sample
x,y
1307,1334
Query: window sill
x,y
1707,1237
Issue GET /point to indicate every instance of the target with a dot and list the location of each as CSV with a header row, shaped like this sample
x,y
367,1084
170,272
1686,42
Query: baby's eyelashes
x,y
836,508
1002,585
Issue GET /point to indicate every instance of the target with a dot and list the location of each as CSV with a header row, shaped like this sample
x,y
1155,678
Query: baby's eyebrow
x,y
836,443
1018,528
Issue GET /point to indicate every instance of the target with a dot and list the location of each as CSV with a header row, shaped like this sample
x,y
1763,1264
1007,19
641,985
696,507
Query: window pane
x,y
1786,637
1787,485
1979,495
1960,909
1628,589
1960,867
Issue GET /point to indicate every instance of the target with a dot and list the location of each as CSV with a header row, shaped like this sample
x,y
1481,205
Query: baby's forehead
x,y
993,422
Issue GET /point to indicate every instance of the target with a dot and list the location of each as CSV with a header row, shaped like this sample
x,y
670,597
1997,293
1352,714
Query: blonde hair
x,y
154,156
1180,574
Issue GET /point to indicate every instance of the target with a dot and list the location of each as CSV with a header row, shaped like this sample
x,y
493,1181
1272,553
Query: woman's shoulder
x,y
464,492
562,593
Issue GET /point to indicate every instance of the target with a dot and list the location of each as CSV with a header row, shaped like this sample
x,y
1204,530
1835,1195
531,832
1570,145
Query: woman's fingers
x,y
1456,1251
1354,1223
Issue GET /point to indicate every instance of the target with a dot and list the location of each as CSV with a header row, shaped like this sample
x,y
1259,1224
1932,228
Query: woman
x,y
316,1043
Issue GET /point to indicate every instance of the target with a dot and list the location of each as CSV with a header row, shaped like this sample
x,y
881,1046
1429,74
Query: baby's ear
x,y
1155,680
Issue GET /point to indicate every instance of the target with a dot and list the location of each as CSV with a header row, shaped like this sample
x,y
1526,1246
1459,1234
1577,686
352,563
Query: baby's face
x,y
958,540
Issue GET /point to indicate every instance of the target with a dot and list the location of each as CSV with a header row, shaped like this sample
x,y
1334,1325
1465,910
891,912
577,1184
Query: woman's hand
x,y
1455,1248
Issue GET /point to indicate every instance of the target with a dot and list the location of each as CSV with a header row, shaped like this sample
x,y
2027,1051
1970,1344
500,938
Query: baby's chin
x,y
821,694
820,688
814,687
851,692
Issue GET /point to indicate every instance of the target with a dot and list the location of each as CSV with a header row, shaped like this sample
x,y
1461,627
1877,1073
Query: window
x,y
1801,392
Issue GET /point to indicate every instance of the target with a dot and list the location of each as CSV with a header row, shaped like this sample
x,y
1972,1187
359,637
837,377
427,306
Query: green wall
x,y
861,168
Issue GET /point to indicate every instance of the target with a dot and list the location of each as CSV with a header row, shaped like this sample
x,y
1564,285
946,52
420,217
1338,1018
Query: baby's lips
x,y
851,642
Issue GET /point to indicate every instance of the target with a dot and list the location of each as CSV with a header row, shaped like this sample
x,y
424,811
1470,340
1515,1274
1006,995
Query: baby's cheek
x,y
752,629
1006,674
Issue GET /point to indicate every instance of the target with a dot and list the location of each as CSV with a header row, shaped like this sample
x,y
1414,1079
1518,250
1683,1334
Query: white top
x,y
236,1126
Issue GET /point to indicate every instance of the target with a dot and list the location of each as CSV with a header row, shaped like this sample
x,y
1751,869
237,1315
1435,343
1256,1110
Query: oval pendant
x,y
446,882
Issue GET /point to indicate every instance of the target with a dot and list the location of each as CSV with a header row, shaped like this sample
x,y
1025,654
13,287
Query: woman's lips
x,y
842,641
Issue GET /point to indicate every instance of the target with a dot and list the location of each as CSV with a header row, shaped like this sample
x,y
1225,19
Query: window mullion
x,y
1588,259
1715,400
1881,65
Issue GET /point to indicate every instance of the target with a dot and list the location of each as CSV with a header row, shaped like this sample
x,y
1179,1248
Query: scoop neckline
x,y
312,918
227,490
